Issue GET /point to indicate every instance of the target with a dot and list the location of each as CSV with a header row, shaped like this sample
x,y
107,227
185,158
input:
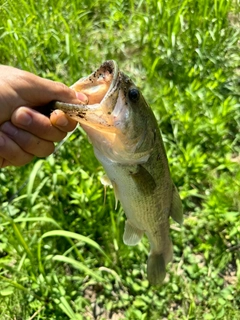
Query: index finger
x,y
25,88
36,91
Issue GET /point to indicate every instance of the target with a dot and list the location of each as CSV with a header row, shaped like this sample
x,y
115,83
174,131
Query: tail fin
x,y
156,270
156,265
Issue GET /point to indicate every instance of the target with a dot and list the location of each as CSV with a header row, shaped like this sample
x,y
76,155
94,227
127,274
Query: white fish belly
x,y
147,212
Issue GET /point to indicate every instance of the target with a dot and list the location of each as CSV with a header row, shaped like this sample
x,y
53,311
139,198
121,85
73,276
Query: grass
x,y
61,249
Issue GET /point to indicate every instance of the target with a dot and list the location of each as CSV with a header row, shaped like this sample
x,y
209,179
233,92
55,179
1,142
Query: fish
x,y
127,142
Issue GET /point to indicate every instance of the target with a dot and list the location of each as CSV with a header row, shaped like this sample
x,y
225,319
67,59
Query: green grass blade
x,y
22,241
78,265
76,236
19,287
65,306
32,178
38,219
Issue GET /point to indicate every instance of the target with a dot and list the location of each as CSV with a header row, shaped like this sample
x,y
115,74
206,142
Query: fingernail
x,y
9,129
23,118
81,96
61,121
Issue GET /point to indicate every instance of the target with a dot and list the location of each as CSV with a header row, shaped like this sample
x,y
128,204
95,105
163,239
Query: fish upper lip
x,y
112,67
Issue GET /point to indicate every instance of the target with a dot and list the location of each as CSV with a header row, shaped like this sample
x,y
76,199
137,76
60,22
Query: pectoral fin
x,y
132,235
176,211
144,181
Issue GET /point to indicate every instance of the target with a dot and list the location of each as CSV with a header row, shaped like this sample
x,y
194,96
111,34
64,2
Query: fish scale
x,y
127,142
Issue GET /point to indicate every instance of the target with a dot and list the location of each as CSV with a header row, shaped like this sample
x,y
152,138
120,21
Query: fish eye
x,y
134,95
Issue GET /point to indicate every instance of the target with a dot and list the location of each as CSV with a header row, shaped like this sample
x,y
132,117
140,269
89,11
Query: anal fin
x,y
132,235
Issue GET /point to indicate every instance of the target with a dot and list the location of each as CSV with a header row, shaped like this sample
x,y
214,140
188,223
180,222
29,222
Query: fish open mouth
x,y
100,84
101,88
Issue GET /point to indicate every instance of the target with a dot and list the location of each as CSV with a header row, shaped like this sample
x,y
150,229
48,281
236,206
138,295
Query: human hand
x,y
24,132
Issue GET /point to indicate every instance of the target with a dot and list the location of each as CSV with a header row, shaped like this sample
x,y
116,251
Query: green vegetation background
x,y
61,249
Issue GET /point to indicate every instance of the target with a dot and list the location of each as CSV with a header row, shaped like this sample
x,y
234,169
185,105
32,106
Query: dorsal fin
x,y
176,211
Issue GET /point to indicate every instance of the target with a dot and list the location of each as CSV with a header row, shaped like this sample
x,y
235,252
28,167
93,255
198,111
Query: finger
x,y
12,153
1,161
27,141
22,88
37,124
50,90
4,163
60,120
34,90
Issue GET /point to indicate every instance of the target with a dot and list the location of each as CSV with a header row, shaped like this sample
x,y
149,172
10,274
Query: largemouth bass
x,y
127,142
